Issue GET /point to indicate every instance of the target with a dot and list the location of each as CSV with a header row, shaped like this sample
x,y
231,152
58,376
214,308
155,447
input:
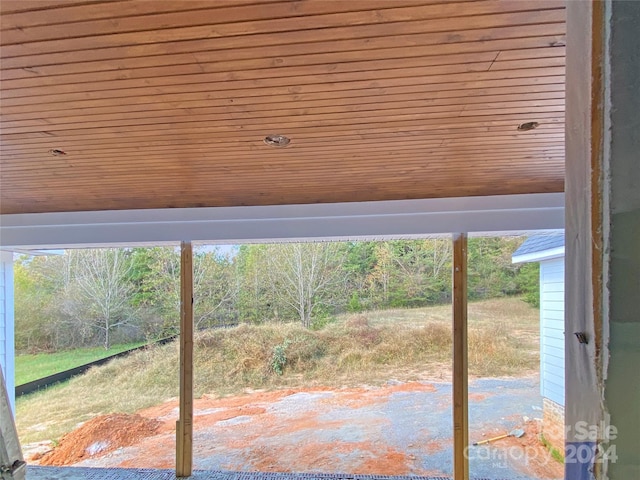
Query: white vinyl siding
x,y
552,330
6,322
3,321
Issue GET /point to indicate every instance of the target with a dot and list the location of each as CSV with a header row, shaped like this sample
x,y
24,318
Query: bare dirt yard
x,y
400,428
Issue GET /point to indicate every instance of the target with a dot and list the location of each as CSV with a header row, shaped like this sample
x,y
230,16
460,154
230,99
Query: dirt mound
x,y
99,436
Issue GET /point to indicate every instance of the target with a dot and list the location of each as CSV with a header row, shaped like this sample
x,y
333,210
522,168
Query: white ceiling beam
x,y
234,225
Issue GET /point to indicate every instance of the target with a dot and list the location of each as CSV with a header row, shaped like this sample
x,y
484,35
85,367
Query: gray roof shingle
x,y
540,243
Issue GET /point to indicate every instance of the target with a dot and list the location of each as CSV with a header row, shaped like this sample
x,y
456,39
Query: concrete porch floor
x,y
83,473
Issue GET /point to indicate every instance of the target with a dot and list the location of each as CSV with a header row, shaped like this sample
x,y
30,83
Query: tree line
x,y
105,296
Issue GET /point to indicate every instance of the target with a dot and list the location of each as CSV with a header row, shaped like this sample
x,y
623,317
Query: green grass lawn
x,y
33,367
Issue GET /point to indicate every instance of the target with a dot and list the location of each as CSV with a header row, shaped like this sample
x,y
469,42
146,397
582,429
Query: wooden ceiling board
x,y
496,27
152,17
472,136
372,95
224,72
359,104
222,132
165,104
404,103
339,119
245,22
76,12
453,151
13,6
447,54
503,40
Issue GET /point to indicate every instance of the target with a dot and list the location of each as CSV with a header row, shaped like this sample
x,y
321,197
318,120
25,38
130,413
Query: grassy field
x,y
363,349
33,367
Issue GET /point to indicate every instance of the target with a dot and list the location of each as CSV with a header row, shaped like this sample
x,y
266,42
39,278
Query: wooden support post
x,y
184,425
460,386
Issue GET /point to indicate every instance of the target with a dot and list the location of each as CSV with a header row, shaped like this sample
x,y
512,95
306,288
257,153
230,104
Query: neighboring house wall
x,y
548,250
552,330
552,350
7,324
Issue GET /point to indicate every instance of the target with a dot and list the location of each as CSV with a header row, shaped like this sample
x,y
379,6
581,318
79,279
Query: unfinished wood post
x,y
184,425
460,386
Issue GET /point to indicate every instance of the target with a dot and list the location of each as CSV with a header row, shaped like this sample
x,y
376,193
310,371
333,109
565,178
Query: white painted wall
x,y
7,352
552,329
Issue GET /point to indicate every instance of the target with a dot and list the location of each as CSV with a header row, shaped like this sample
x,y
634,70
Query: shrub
x,y
355,305
279,357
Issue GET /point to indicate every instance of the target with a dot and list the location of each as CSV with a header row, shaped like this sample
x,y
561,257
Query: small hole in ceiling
x,y
277,140
57,152
523,127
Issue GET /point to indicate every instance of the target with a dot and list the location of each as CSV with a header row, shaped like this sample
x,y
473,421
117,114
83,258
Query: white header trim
x,y
233,225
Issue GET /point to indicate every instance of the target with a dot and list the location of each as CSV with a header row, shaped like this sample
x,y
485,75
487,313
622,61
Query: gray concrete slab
x,y
84,473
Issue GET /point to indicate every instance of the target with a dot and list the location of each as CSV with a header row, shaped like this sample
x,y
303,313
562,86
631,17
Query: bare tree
x,y
215,290
213,284
306,276
101,292
380,275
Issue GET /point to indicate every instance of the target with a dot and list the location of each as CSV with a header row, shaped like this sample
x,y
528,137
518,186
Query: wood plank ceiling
x,y
166,103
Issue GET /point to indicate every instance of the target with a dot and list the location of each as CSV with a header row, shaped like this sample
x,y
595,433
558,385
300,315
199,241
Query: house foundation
x,y
553,424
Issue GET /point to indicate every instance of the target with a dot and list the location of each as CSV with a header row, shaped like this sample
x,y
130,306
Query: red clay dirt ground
x,y
397,429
